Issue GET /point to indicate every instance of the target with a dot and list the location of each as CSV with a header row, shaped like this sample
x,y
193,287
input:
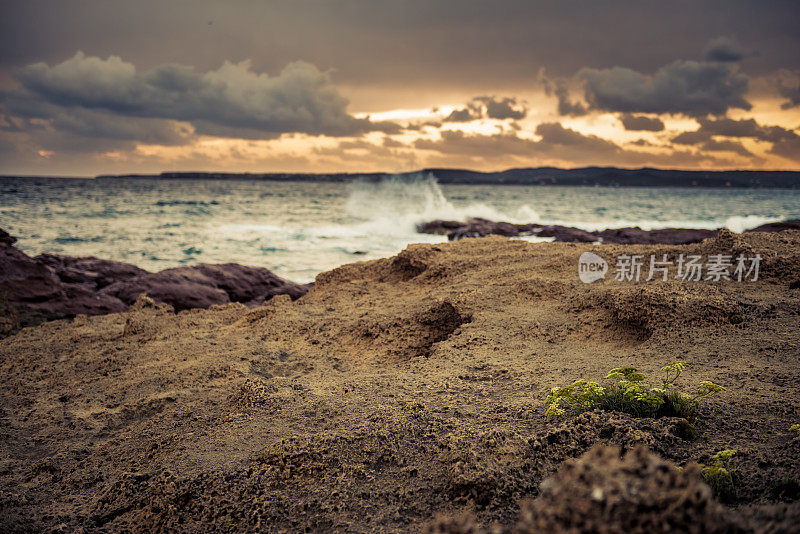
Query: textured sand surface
x,y
395,390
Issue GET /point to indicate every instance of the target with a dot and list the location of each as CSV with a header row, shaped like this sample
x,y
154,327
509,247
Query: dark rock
x,y
439,227
664,236
566,234
6,238
53,286
777,226
35,293
244,284
182,289
476,227
25,279
456,230
89,270
480,228
202,286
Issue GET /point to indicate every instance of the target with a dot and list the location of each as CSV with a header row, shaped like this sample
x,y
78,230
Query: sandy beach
x,y
404,389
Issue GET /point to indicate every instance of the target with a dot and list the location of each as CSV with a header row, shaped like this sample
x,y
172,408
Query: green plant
x,y
795,428
718,476
626,391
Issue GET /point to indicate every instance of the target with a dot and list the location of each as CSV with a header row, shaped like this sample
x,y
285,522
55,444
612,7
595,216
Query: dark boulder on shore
x,y
203,286
663,236
53,286
777,226
6,238
455,230
88,270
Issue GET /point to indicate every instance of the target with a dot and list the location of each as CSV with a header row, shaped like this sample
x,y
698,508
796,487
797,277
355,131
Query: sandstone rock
x,y
638,493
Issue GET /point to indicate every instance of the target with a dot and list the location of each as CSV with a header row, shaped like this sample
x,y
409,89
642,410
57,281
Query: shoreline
x,y
56,286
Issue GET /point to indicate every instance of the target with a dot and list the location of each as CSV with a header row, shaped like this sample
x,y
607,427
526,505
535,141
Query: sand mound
x,y
643,310
638,493
575,436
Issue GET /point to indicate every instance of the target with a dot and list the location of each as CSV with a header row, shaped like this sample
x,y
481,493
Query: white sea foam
x,y
405,202
397,205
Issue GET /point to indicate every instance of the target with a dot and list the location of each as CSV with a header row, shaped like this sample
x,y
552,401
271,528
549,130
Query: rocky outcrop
x,y
455,230
202,286
6,238
663,236
52,286
777,226
88,270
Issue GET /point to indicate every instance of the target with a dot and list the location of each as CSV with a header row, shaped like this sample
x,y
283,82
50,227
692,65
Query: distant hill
x,y
587,176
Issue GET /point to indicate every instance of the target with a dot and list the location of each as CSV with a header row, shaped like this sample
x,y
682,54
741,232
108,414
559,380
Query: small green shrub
x,y
718,476
626,391
795,428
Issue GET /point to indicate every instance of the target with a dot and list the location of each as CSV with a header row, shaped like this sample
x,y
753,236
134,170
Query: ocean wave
x,y
396,205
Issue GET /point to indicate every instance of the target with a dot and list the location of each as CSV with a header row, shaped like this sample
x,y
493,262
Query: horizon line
x,y
387,173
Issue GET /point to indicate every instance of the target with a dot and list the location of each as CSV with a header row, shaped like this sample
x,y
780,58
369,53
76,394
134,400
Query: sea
x,y
299,229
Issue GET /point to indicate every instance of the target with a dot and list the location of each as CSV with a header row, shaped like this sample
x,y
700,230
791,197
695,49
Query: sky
x,y
109,87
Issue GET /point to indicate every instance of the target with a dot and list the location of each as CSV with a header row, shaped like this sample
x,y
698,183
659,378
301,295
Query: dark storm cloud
x,y
223,101
791,94
503,108
565,107
489,107
726,127
785,142
641,123
169,87
723,49
555,134
713,145
423,42
465,114
10,124
557,142
692,88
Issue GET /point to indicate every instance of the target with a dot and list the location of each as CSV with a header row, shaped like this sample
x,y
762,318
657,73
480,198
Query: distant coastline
x,y
584,176
587,176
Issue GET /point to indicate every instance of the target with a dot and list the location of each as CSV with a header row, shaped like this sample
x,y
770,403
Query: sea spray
x,y
401,202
